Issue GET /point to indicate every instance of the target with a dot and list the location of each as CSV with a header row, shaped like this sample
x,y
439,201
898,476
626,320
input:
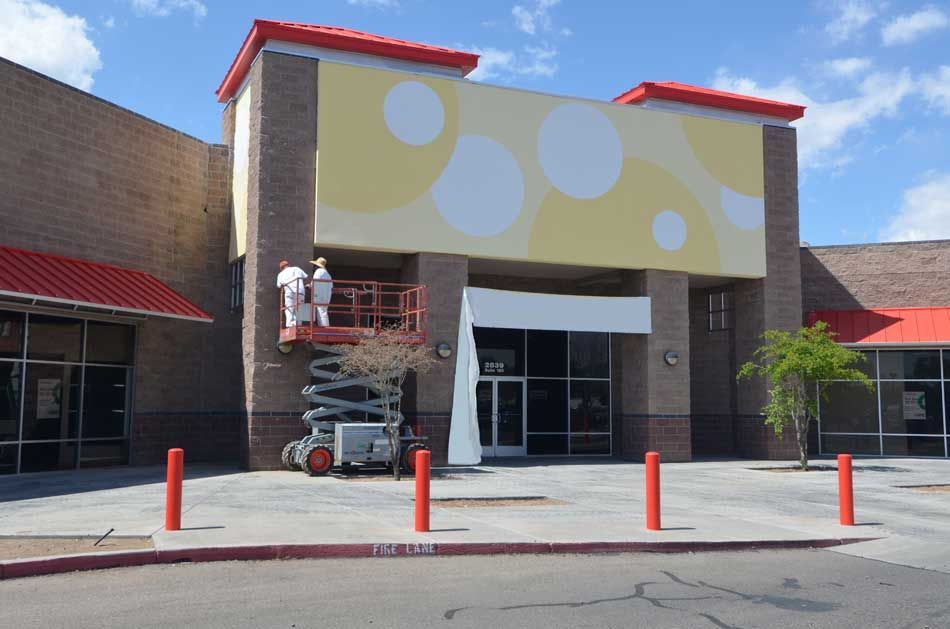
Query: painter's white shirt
x,y
289,275
322,291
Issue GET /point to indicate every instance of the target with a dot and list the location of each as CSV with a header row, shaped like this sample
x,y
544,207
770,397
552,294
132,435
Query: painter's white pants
x,y
291,302
323,317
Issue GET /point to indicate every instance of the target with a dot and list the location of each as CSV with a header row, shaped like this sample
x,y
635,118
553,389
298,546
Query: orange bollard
x,y
653,491
176,460
845,490
423,458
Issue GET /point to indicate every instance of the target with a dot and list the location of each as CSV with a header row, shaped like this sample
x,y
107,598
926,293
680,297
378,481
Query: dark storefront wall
x,y
567,385
905,413
65,392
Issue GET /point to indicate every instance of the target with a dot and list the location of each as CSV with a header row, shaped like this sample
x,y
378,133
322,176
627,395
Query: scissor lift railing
x,y
356,310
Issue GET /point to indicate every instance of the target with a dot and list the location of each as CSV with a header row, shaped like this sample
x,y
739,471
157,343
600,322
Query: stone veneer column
x,y
428,397
654,396
774,302
280,224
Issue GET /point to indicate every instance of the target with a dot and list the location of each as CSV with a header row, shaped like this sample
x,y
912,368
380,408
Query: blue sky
x,y
874,163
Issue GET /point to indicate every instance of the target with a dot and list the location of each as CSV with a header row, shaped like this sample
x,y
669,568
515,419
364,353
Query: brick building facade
x,y
90,180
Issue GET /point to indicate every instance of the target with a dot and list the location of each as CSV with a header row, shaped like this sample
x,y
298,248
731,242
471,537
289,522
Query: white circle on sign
x,y
743,211
669,230
414,113
580,151
481,190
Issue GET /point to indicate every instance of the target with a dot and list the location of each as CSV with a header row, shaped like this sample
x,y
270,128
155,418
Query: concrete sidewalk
x,y
597,500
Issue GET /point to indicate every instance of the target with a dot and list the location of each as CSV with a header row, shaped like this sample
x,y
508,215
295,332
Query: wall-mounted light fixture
x,y
443,350
671,358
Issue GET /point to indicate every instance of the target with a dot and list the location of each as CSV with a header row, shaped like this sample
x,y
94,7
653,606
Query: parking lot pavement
x,y
591,500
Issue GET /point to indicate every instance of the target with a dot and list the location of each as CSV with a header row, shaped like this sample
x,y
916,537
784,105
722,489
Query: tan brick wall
x,y
280,216
775,301
652,397
894,275
86,178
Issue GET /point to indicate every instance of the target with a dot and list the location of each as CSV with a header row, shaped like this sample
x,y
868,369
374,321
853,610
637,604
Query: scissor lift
x,y
341,433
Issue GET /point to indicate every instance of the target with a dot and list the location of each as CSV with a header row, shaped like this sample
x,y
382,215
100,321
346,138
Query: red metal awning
x,y
887,325
58,280
695,95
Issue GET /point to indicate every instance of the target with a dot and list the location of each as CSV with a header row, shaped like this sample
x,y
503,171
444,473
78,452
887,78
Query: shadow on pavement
x,y
46,484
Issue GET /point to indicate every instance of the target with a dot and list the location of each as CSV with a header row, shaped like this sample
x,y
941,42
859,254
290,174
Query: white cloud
x,y
935,88
924,213
828,125
851,16
48,40
534,17
847,67
908,28
532,61
375,4
164,8
109,22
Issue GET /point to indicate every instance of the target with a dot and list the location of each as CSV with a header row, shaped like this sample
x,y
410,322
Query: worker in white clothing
x,y
292,282
322,290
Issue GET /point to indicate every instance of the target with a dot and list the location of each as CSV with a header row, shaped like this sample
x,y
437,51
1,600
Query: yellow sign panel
x,y
413,163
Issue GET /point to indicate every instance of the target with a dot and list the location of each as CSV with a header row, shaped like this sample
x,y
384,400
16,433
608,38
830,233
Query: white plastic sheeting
x,y
531,311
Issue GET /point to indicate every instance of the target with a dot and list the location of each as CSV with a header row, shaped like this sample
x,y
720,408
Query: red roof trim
x,y
694,95
887,325
60,280
338,39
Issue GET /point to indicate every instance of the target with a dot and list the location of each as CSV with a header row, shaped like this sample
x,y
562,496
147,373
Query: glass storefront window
x,y
547,444
547,354
912,407
104,402
913,446
62,406
8,454
103,453
590,355
109,343
590,444
910,364
547,405
913,388
54,338
500,351
43,457
851,444
11,334
848,407
590,406
51,402
868,365
11,384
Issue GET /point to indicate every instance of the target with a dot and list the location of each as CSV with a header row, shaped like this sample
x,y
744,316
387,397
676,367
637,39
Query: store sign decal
x,y
915,405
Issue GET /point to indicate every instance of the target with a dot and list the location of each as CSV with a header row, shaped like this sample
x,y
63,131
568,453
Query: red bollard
x,y
423,458
653,491
845,490
176,460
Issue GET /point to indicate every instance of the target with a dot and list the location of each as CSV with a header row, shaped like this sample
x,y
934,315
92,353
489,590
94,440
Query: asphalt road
x,y
725,590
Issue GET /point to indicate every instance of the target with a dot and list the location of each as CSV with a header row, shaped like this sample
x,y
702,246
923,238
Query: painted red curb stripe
x,y
70,563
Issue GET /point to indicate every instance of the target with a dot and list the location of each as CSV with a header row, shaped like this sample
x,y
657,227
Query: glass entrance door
x,y
501,416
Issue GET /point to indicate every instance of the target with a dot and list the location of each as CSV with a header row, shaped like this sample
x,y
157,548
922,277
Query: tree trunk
x,y
801,436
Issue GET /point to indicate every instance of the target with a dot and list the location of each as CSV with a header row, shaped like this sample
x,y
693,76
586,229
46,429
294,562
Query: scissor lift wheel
x,y
287,456
318,461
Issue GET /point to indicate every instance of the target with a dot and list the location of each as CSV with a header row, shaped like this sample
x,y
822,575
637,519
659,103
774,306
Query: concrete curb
x,y
17,568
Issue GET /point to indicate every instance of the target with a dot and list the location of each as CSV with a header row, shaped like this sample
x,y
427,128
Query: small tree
x,y
794,364
386,360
